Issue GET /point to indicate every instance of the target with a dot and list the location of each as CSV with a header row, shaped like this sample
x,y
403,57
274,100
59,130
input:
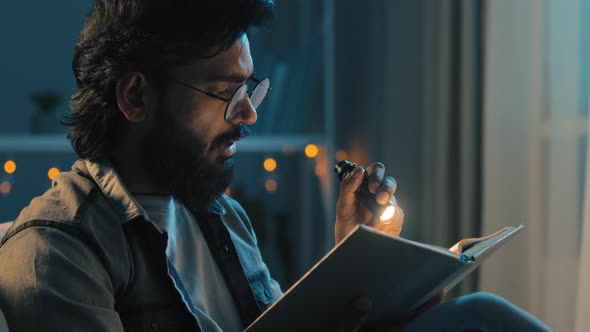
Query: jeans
x,y
476,312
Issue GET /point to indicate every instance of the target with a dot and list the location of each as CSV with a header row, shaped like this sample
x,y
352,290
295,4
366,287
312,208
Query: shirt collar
x,y
108,180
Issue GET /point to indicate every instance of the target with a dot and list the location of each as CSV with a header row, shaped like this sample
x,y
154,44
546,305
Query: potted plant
x,y
45,119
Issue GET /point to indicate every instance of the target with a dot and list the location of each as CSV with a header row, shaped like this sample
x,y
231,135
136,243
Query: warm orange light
x,y
311,150
321,170
341,155
270,164
270,185
53,172
10,167
5,188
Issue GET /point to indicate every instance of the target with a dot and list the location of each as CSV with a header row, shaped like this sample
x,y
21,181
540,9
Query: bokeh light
x,y
270,164
5,188
9,166
341,155
53,172
311,150
271,185
321,169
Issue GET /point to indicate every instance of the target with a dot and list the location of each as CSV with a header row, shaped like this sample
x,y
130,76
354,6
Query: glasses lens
x,y
259,92
236,102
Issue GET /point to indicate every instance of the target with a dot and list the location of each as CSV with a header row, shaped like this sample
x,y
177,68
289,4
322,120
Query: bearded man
x,y
138,236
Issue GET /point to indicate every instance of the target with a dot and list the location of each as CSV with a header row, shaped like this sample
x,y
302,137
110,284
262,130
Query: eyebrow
x,y
232,78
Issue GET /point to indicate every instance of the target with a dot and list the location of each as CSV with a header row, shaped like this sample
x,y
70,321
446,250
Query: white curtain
x,y
583,294
535,134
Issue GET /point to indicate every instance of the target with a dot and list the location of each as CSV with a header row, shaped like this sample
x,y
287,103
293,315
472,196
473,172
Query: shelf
x,y
59,143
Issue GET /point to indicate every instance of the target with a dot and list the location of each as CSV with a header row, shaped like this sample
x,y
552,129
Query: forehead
x,y
233,64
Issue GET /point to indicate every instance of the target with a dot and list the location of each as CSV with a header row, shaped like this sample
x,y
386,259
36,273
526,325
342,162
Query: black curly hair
x,y
122,36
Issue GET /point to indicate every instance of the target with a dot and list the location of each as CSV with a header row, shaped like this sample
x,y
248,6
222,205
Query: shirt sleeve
x,y
50,280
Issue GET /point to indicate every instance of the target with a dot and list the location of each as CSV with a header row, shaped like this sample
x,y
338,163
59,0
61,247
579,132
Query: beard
x,y
175,160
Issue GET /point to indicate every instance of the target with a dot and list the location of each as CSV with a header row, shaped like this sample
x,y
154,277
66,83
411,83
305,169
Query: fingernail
x,y
357,171
382,197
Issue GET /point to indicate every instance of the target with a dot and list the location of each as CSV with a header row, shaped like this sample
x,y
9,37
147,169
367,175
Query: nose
x,y
247,114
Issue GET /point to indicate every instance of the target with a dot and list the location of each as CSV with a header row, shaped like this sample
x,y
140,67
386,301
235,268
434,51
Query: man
x,y
138,236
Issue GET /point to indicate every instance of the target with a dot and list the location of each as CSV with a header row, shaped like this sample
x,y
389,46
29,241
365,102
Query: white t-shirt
x,y
190,256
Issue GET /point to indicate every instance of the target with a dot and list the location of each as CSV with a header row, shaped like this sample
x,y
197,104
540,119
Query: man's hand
x,y
350,212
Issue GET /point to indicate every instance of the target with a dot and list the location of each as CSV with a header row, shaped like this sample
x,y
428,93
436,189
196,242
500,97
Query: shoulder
x,y
74,204
73,208
69,194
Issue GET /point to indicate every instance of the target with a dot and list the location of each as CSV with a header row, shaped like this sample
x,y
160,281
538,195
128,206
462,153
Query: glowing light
x,y
341,155
53,172
5,188
388,213
270,164
321,170
311,150
10,167
270,185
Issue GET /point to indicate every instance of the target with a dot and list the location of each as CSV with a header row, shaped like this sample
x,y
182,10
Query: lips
x,y
230,147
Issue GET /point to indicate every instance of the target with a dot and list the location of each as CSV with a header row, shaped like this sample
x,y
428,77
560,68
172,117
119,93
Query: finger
x,y
375,172
354,315
349,185
386,190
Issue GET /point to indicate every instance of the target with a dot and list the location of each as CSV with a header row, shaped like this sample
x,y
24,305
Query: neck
x,y
133,175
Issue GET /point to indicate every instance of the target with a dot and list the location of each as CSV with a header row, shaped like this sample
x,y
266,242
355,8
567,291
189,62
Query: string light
x,y
5,188
9,166
270,164
321,169
270,185
311,150
53,172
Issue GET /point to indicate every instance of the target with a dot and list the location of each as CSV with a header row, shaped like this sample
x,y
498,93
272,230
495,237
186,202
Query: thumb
x,y
350,184
354,315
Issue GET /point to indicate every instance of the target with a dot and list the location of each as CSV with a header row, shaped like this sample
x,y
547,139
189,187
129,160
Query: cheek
x,y
202,116
204,122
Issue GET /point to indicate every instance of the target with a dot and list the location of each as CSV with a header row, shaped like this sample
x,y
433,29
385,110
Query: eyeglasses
x,y
234,103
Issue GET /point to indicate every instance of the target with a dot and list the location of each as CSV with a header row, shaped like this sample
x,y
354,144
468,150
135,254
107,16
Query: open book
x,y
398,275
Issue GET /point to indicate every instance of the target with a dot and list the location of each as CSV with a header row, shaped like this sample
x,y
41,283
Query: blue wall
x,y
37,42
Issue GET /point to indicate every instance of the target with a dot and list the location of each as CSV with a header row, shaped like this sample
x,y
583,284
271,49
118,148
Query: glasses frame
x,y
227,101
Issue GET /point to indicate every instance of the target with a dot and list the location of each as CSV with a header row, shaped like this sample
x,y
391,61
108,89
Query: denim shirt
x,y
83,257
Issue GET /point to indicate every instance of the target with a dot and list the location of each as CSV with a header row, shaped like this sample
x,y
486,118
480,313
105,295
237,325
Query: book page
x,y
463,245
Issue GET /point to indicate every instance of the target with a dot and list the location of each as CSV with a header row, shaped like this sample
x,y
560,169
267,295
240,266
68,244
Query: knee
x,y
483,302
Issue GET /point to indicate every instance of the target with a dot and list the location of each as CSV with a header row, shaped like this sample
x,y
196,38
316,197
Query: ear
x,y
132,96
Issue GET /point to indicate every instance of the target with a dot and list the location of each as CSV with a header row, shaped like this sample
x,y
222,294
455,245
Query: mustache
x,y
237,133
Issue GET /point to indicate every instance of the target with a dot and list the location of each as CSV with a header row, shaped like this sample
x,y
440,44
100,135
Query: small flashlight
x,y
385,212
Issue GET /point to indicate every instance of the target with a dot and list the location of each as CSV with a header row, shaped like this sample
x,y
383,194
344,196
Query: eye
x,y
225,93
222,92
